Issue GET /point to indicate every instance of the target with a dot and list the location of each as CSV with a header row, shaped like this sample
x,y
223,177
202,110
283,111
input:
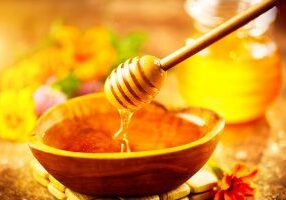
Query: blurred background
x,y
54,50
24,23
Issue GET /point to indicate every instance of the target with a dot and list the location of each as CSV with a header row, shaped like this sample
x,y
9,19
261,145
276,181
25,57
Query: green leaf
x,y
128,46
69,85
218,169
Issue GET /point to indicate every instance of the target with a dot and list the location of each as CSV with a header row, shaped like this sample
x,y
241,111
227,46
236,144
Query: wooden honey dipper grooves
x,y
137,81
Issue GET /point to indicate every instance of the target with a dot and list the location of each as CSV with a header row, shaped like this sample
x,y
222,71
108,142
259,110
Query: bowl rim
x,y
35,143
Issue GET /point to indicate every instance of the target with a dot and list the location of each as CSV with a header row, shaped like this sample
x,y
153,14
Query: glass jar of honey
x,y
240,75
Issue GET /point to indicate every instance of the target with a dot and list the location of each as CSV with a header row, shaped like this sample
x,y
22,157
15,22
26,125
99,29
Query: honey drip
x,y
122,134
100,132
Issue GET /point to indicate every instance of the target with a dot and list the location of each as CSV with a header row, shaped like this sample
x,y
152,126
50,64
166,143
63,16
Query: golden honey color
x,y
135,82
103,173
238,77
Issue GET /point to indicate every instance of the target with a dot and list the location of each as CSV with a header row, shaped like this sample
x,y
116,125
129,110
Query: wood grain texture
x,y
129,174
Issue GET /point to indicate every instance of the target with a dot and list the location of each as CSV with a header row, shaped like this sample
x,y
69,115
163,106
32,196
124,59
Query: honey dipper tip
x,y
135,82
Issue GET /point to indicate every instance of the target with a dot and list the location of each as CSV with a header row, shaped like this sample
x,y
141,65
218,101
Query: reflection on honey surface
x,y
151,128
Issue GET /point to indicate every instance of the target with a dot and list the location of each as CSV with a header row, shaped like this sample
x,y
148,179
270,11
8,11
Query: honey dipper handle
x,y
216,34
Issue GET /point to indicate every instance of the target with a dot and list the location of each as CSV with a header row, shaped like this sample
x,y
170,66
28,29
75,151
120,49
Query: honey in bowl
x,y
151,128
152,167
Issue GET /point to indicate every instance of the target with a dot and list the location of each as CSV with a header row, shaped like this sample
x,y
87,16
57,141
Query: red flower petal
x,y
237,186
227,195
226,182
237,197
219,195
245,189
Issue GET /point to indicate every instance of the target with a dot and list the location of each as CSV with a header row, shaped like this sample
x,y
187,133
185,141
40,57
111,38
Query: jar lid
x,y
209,14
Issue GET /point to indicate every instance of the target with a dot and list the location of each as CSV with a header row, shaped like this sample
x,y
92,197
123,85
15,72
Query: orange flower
x,y
88,54
238,185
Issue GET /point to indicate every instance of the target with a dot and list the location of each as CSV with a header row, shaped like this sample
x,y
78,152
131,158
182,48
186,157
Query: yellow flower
x,y
17,117
26,73
64,35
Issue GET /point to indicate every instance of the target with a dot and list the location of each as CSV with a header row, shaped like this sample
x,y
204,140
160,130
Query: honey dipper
x,y
137,81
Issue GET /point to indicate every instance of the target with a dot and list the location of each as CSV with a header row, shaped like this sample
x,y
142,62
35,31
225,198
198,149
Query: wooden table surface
x,y
262,142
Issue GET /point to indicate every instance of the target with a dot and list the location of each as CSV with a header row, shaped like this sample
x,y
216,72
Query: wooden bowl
x,y
125,174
